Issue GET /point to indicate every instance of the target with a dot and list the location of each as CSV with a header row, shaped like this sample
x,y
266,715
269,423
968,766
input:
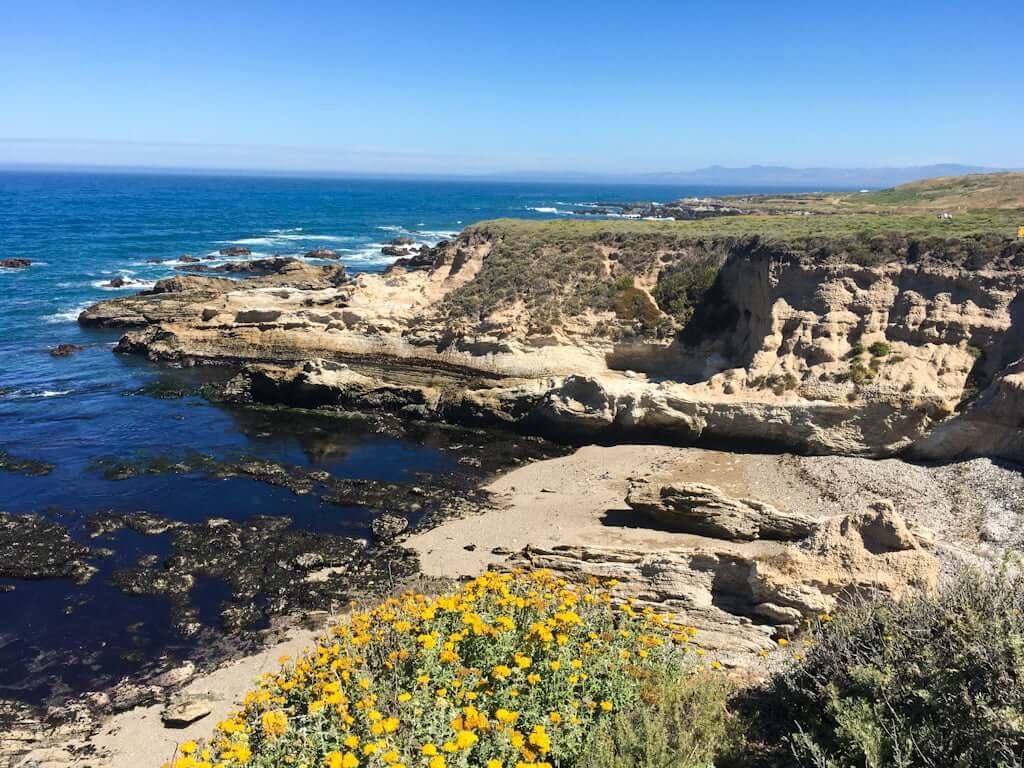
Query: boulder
x,y
182,711
187,259
235,250
15,263
707,511
117,282
387,527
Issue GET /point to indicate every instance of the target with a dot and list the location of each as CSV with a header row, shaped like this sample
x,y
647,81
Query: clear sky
x,y
436,86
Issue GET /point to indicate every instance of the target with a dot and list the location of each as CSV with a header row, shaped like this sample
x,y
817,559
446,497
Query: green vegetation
x,y
931,681
988,190
560,270
523,669
879,349
953,194
681,287
680,720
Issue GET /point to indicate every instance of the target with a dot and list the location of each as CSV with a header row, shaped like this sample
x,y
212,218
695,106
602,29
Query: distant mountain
x,y
781,176
763,176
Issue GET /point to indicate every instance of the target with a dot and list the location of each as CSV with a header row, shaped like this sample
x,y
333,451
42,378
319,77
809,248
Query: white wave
x,y
320,238
542,209
48,393
251,241
129,285
437,234
392,228
67,315
369,256
278,237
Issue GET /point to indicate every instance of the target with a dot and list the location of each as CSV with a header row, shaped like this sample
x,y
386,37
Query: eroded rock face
x,y
705,510
796,348
742,590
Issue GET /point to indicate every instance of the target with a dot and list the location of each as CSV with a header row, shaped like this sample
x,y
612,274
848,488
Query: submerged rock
x,y
15,263
32,547
263,561
28,467
65,350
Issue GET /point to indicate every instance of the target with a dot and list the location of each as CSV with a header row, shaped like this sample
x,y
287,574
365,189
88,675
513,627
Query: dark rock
x,y
154,261
65,350
402,240
388,527
27,467
15,263
117,282
187,259
103,523
235,251
32,547
470,547
321,253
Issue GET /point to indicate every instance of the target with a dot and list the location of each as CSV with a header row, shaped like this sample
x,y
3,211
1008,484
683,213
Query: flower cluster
x,y
512,671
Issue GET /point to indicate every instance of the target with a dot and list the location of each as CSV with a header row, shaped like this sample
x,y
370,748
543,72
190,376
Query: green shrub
x,y
681,720
879,349
932,681
680,288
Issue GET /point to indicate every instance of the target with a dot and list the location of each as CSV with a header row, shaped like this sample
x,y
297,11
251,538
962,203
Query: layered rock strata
x,y
918,354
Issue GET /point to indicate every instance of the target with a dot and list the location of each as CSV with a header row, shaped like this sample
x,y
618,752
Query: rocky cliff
x,y
861,340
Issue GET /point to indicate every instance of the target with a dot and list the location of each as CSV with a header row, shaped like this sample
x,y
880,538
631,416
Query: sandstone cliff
x,y
859,343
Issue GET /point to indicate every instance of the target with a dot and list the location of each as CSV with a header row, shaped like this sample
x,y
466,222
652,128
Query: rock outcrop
x,y
743,590
15,263
798,344
193,298
705,510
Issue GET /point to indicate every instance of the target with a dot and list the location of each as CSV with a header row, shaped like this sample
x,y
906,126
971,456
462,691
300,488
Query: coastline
x,y
580,501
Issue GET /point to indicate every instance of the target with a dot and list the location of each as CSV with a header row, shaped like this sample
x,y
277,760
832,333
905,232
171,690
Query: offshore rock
x,y
65,350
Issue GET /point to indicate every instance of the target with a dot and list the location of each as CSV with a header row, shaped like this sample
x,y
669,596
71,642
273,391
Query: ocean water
x,y
80,231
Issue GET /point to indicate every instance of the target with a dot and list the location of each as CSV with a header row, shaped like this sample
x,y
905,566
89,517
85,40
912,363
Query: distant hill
x,y
974,191
776,177
812,178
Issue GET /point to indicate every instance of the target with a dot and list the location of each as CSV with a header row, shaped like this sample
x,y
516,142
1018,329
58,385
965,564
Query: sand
x,y
578,499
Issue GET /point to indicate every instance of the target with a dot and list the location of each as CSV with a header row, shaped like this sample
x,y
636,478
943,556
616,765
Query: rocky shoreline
x,y
848,367
916,355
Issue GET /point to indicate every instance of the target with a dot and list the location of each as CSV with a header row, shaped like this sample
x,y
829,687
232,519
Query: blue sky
x,y
438,86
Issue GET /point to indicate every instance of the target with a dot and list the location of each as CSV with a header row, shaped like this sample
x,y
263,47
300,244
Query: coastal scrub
x,y
514,670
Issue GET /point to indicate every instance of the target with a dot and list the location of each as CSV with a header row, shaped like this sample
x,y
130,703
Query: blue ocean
x,y
80,413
